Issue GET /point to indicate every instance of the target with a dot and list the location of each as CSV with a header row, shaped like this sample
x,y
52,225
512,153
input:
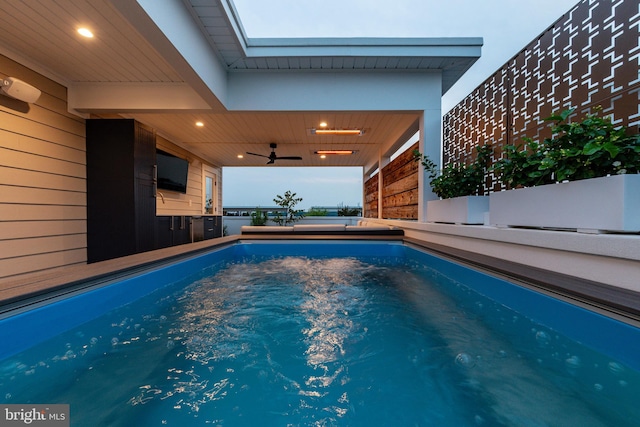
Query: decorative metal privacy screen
x,y
590,57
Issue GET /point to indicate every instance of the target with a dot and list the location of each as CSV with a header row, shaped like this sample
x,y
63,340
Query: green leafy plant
x,y
521,165
591,148
347,211
259,217
456,180
313,211
288,202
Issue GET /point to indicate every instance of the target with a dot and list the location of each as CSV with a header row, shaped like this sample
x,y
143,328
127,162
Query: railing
x,y
232,224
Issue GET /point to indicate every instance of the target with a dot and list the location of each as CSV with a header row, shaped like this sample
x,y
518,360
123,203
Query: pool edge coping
x,y
21,290
620,303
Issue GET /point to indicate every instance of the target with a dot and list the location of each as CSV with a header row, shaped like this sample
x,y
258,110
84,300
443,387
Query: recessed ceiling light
x,y
323,124
85,32
199,124
240,156
324,156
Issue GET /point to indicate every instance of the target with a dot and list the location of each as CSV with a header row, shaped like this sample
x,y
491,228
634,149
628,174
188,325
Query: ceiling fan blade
x,y
255,154
273,157
289,158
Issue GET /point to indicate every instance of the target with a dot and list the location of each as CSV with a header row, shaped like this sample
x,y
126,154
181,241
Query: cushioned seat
x,y
318,227
368,227
248,229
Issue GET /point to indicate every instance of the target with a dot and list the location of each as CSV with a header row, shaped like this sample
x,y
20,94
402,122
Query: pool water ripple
x,y
321,341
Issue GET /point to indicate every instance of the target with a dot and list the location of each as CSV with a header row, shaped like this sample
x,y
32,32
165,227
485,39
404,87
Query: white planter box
x,y
592,205
459,210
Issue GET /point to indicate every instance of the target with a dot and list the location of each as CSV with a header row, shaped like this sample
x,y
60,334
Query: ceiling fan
x,y
273,157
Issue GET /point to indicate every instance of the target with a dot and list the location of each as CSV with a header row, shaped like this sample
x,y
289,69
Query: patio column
x,y
431,145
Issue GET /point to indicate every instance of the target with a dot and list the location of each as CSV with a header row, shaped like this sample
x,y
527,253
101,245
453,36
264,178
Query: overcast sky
x,y
506,26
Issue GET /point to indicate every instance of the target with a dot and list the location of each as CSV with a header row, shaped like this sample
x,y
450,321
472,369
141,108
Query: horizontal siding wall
x,y
179,204
42,179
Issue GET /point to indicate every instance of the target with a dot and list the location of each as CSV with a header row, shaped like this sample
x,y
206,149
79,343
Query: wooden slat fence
x,y
399,189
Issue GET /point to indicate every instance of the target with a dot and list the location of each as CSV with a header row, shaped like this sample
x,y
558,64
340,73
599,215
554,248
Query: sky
x,y
318,186
506,26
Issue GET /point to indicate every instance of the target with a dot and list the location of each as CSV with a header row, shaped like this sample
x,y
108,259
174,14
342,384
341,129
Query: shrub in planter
x,y
461,187
347,211
259,217
314,211
577,152
288,201
520,166
456,180
591,148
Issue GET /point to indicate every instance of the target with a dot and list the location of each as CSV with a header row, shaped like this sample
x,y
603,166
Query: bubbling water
x,y
326,341
465,360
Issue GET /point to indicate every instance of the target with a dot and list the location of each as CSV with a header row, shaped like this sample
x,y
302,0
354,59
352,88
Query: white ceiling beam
x,y
454,47
337,91
170,29
134,97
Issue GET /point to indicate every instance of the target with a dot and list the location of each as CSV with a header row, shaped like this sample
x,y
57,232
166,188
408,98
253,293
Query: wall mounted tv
x,y
172,172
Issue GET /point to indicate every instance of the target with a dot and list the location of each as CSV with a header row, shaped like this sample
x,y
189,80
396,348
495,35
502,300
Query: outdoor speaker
x,y
20,90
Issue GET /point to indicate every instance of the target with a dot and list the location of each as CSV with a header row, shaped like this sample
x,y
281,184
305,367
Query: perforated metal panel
x,y
590,57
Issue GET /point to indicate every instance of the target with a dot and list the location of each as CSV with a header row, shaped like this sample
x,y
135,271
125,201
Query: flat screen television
x,y
172,172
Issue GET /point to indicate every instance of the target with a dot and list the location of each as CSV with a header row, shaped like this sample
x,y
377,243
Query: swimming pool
x,y
308,333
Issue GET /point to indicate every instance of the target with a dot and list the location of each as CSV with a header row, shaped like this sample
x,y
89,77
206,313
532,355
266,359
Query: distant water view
x,y
317,186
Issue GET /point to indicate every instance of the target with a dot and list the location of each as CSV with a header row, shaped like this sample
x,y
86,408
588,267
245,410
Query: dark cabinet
x,y
181,230
173,230
120,188
164,231
121,203
212,227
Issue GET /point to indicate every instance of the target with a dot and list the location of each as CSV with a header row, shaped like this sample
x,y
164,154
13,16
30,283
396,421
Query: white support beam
x,y
435,47
336,91
134,97
430,143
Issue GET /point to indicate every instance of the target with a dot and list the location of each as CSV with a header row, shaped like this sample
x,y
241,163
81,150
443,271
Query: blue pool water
x,y
345,334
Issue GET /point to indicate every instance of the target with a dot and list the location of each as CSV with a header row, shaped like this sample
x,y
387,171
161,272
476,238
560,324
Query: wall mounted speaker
x,y
19,90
